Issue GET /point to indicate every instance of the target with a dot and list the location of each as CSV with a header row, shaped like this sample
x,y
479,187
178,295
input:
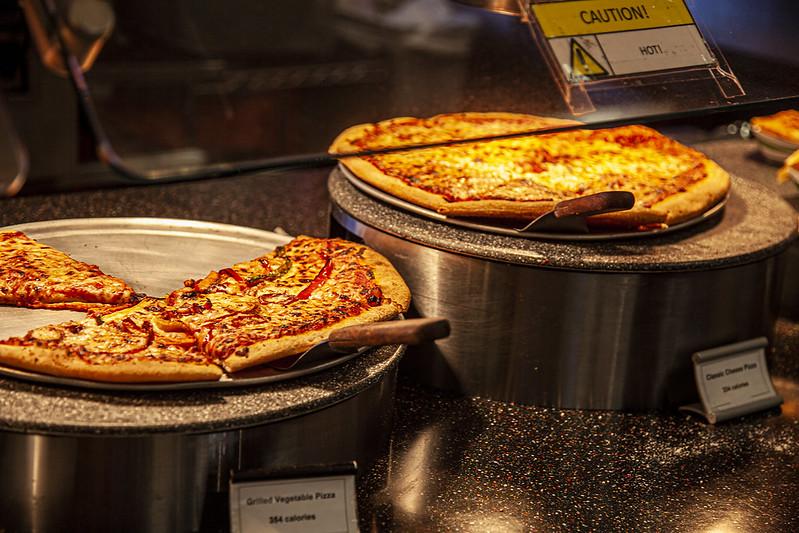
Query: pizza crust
x,y
61,362
344,142
396,299
698,197
396,187
791,163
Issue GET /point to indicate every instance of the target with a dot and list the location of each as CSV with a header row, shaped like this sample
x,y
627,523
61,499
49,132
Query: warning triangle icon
x,y
583,63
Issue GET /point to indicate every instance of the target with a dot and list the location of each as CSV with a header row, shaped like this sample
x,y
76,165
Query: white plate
x,y
154,255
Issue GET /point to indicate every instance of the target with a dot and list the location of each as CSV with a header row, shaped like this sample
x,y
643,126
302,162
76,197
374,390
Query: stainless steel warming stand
x,y
597,325
151,461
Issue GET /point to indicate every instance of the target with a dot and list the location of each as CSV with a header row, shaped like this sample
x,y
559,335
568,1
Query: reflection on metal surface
x,y
410,480
162,481
505,7
14,162
85,30
50,482
574,339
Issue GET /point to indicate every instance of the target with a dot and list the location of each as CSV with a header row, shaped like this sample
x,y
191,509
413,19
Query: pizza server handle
x,y
595,204
410,331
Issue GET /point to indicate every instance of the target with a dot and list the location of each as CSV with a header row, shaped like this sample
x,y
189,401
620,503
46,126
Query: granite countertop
x,y
462,464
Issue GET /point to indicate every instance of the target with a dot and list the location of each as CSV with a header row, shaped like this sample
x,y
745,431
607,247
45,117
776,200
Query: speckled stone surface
x,y
472,465
50,409
755,224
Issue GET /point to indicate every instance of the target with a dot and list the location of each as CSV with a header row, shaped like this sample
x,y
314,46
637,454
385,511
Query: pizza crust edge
x,y
699,196
62,363
391,285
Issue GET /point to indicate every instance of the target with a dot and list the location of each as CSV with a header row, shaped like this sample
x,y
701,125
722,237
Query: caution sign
x,y
583,64
581,58
595,39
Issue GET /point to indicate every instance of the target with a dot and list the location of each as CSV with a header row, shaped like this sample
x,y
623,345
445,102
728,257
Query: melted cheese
x,y
32,274
126,335
305,285
546,167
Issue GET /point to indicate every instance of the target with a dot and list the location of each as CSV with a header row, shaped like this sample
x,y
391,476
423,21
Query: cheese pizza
x,y
524,177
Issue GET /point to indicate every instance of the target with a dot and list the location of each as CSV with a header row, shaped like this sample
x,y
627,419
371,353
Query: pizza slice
x,y
284,302
124,345
33,274
783,125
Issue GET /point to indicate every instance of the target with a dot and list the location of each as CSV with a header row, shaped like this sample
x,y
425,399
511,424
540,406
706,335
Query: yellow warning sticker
x,y
584,17
583,63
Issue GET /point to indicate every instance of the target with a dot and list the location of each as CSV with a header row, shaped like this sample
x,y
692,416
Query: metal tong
x,y
569,216
352,338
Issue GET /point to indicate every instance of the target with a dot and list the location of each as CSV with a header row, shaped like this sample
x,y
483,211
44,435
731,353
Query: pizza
x,y
783,125
275,305
33,274
524,177
286,301
123,345
790,166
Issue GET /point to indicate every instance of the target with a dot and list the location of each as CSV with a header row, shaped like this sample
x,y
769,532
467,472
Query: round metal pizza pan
x,y
773,148
509,230
154,255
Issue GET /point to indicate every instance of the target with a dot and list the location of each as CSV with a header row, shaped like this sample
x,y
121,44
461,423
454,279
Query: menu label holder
x,y
319,499
733,381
